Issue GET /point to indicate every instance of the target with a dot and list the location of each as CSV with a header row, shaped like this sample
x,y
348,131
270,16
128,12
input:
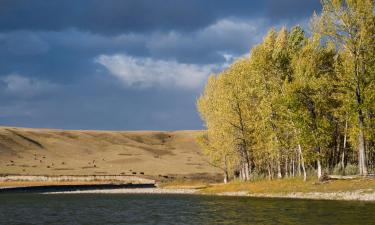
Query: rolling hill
x,y
27,151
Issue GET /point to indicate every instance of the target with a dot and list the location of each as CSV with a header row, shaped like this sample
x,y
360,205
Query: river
x,y
108,209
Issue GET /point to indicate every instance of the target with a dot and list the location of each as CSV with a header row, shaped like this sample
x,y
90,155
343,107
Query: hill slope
x,y
62,152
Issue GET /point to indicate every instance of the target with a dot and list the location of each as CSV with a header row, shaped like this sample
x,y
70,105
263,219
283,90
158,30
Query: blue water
x,y
107,209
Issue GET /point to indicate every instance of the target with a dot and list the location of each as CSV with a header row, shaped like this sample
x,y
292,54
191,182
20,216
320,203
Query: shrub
x,y
257,176
351,169
338,170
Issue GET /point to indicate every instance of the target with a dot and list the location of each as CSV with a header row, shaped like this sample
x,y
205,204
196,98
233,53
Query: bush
x,y
311,172
257,176
338,170
351,169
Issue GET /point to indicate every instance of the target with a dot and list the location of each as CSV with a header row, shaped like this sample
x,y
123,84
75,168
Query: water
x,y
92,209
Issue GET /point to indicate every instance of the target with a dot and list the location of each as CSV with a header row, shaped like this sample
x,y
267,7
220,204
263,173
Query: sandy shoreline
x,y
130,191
364,193
360,195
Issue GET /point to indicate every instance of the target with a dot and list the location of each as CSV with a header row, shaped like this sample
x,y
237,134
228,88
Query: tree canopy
x,y
299,103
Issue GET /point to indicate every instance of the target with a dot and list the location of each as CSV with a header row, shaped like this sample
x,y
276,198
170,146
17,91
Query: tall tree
x,y
215,142
311,96
297,98
350,24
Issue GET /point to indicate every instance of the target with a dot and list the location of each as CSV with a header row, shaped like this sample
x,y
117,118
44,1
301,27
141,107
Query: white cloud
x,y
220,43
147,72
229,28
26,87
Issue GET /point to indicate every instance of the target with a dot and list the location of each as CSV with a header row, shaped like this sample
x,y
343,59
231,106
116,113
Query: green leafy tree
x,y
350,24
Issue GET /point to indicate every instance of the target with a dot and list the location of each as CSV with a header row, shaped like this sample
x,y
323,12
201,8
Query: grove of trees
x,y
300,104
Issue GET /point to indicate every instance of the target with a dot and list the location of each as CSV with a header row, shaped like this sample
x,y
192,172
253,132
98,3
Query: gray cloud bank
x,y
124,64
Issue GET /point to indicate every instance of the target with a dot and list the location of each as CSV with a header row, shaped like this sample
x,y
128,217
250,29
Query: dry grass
x,y
48,183
155,154
294,185
185,184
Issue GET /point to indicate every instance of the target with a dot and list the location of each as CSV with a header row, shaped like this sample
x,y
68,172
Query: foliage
x,y
297,102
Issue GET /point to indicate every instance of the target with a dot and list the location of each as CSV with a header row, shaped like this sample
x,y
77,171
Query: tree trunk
x,y
269,172
299,164
336,159
245,164
241,173
293,168
246,170
286,167
279,169
244,149
319,169
362,149
361,139
343,162
302,162
250,170
344,148
226,176
319,164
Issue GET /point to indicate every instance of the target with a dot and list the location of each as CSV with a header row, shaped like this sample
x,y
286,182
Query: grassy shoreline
x,y
362,189
290,185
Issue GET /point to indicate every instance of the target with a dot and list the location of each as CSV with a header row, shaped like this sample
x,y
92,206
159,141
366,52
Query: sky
x,y
124,64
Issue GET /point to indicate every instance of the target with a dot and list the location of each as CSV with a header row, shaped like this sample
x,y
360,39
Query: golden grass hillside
x,y
27,151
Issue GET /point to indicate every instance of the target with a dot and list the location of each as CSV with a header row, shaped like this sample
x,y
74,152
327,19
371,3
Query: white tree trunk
x,y
226,176
319,169
279,169
247,171
243,172
302,162
344,147
362,152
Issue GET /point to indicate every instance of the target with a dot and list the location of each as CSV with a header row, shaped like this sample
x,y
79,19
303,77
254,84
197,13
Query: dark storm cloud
x,y
65,56
291,9
114,16
119,16
102,104
62,62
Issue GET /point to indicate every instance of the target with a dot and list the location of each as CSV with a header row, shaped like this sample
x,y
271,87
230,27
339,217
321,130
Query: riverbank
x,y
359,195
361,189
131,191
357,189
